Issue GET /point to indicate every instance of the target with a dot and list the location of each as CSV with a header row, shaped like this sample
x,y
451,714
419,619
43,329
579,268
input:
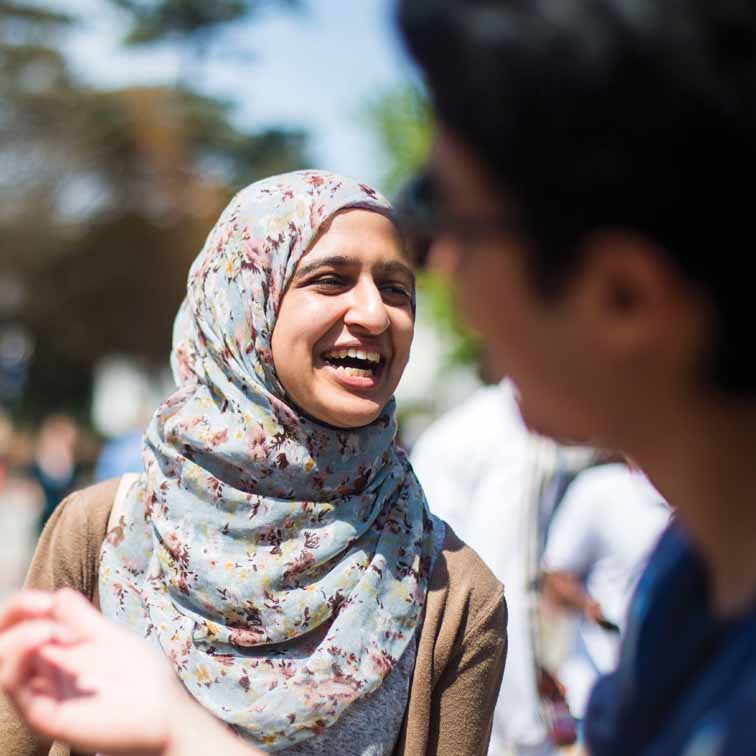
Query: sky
x,y
313,69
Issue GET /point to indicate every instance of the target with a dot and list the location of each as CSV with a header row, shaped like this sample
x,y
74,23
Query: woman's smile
x,y
356,366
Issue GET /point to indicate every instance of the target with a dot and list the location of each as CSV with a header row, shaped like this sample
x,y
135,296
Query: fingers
x,y
18,647
25,605
39,709
74,661
66,606
41,701
73,610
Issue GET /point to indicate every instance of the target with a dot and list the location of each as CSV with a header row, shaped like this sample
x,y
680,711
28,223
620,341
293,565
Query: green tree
x,y
188,20
34,18
105,198
401,121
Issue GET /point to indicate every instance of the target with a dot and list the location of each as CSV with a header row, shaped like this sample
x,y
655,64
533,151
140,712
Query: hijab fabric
x,y
280,564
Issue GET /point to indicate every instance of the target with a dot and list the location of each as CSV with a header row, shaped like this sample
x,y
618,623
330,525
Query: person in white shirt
x,y
477,465
598,544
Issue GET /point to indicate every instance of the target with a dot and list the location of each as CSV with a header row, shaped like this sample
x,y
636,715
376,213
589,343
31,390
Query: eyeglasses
x,y
423,218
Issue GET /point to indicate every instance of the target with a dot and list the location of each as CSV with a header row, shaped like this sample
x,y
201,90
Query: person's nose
x,y
367,310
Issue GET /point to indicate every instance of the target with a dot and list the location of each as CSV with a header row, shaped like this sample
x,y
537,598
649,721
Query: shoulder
x,y
464,596
88,509
463,639
69,547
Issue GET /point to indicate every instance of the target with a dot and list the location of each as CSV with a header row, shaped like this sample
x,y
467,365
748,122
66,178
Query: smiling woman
x,y
344,330
278,548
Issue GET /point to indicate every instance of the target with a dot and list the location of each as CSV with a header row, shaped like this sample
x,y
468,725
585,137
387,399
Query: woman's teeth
x,y
360,363
353,371
359,354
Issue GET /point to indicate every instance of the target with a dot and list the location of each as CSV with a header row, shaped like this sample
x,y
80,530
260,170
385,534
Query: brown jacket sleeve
x,y
66,556
460,661
465,697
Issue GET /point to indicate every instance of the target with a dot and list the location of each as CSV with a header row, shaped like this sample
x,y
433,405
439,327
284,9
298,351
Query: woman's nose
x,y
367,309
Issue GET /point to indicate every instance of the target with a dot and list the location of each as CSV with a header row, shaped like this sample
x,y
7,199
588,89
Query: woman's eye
x,y
328,281
397,290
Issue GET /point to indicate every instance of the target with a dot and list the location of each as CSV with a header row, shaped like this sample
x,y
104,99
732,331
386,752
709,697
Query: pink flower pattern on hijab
x,y
280,564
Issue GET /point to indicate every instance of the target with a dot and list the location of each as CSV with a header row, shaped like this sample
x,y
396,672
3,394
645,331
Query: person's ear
x,y
639,301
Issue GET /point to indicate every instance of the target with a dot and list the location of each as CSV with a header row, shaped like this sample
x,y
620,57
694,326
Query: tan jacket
x,y
461,649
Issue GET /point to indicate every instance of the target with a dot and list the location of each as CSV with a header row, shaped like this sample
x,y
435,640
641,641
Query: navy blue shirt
x,y
686,681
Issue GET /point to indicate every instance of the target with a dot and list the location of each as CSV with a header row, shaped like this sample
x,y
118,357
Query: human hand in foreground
x,y
76,677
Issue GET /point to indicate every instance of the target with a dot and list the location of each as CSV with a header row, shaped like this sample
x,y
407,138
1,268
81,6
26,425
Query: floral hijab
x,y
281,565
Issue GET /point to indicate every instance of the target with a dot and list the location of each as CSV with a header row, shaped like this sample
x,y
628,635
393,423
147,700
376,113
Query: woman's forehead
x,y
364,236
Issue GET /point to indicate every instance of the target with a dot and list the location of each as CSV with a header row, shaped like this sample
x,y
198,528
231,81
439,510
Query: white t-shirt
x,y
476,465
603,532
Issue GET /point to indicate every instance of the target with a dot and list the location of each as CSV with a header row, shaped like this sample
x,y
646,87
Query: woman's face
x,y
344,329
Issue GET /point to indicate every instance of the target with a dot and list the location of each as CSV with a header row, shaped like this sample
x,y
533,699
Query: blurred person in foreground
x,y
591,158
278,548
82,679
598,544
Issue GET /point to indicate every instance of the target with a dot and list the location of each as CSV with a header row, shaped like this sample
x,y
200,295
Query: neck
x,y
702,458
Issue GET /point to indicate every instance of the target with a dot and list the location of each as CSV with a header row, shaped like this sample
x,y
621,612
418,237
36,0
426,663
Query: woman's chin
x,y
343,409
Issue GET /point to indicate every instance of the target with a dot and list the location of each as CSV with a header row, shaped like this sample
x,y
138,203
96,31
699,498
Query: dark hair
x,y
635,114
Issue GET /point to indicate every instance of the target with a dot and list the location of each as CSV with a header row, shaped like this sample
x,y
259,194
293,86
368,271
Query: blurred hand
x,y
76,677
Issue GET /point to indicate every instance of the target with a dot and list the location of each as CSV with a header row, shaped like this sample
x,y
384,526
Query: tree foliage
x,y
187,20
401,121
106,196
39,17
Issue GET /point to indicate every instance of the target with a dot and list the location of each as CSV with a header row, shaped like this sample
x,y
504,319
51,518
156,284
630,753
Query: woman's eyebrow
x,y
393,267
396,267
334,261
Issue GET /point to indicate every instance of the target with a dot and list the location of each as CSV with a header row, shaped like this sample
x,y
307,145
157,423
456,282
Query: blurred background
x,y
125,127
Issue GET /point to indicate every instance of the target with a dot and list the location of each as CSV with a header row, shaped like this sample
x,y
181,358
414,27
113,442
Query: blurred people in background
x,y
124,396
119,456
6,437
599,541
20,504
54,467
